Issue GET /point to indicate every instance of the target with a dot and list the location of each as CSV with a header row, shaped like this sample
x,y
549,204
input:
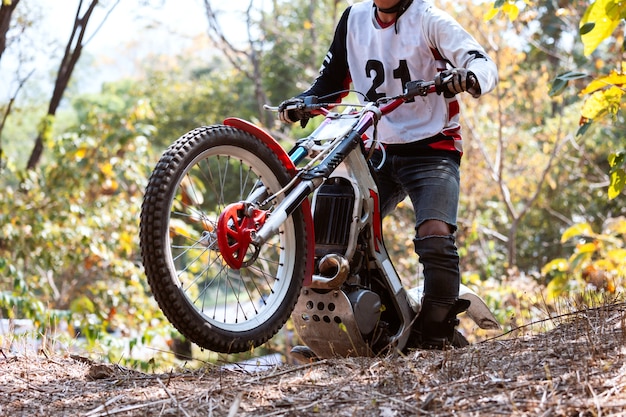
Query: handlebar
x,y
310,105
412,89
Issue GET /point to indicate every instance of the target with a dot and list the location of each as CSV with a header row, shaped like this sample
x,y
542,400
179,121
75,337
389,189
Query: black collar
x,y
399,8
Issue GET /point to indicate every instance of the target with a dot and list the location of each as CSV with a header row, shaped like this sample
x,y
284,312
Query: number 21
x,y
377,68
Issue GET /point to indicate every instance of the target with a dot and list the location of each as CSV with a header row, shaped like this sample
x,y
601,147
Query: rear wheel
x,y
219,307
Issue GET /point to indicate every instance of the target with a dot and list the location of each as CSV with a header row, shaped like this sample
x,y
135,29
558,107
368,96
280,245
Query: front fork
x,y
240,222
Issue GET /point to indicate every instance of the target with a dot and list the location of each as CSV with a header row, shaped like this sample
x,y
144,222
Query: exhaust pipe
x,y
334,269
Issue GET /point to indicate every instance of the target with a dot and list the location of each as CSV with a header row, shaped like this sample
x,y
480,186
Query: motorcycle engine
x,y
367,308
334,204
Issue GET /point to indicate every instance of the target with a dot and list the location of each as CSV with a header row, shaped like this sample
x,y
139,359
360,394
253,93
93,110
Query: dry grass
x,y
575,369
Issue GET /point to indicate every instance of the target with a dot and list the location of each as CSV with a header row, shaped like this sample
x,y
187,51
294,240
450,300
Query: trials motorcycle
x,y
238,235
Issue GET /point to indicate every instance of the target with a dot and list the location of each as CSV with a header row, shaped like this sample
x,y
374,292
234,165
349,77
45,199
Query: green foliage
x,y
287,69
604,94
617,161
183,98
604,98
508,7
531,126
561,81
575,189
600,21
515,299
598,260
69,252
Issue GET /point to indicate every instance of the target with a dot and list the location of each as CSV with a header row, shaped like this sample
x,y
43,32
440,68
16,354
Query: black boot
x,y
440,258
435,326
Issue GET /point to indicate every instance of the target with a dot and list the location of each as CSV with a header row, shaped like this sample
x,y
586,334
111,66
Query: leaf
x,y
586,248
572,75
561,81
602,102
106,169
511,10
611,80
126,243
579,229
343,328
605,15
618,181
616,10
618,255
558,85
81,153
584,127
586,28
558,265
617,174
508,7
491,14
578,259
556,287
82,305
617,159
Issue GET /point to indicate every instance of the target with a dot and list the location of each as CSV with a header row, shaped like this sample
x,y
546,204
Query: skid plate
x,y
325,323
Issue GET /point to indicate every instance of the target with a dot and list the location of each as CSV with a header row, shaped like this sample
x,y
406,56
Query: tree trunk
x,y
6,10
72,53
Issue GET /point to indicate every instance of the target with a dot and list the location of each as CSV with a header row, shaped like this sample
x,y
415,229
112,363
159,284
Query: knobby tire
x,y
217,307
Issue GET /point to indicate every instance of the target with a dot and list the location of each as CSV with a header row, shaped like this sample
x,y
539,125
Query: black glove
x,y
454,81
293,109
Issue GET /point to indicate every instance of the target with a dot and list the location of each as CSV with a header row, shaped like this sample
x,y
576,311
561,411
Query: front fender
x,y
271,143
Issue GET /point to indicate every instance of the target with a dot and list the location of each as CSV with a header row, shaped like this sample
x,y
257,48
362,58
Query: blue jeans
x,y
432,182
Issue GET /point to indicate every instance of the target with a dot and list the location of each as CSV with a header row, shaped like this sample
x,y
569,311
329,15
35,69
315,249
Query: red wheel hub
x,y
235,229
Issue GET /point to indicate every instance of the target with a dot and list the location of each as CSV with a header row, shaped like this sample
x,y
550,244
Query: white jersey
x,y
379,61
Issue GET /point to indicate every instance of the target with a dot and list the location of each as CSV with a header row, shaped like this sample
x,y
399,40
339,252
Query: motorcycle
x,y
238,235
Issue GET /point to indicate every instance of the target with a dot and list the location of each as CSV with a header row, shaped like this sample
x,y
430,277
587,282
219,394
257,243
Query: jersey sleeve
x,y
460,48
334,75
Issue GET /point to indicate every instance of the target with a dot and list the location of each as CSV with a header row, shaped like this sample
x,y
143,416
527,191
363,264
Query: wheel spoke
x,y
184,264
226,295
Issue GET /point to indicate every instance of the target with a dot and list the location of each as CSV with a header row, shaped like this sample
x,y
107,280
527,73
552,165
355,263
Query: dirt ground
x,y
576,369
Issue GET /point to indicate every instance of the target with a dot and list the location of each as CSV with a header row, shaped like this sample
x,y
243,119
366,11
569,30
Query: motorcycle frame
x,y
345,159
366,215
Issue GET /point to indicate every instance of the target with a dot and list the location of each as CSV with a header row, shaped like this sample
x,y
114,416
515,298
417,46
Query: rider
x,y
378,46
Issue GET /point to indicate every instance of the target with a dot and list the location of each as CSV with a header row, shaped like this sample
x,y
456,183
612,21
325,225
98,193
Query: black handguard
x,y
295,109
306,115
416,88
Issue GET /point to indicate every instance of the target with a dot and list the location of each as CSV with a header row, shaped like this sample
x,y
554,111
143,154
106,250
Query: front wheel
x,y
218,307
